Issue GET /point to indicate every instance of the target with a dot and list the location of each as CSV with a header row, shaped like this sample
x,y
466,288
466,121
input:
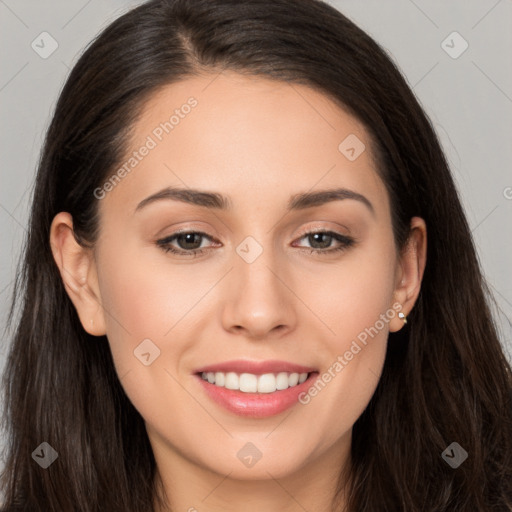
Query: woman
x,y
248,371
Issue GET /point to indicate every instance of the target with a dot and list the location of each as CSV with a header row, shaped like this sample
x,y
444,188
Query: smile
x,y
251,383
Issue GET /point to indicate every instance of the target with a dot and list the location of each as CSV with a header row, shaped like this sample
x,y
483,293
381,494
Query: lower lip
x,y
256,405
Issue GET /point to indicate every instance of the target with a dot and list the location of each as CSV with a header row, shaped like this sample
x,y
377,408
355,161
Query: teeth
x,y
219,379
250,383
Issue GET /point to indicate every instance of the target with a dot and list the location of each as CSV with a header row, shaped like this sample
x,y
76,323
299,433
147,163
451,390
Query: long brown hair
x,y
445,377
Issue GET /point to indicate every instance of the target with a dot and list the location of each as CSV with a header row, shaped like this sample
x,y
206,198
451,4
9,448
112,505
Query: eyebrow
x,y
214,200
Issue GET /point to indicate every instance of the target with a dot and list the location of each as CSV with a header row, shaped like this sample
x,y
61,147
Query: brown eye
x,y
188,242
321,241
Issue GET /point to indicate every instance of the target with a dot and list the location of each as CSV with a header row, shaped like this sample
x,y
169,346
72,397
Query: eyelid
x,y
315,229
304,231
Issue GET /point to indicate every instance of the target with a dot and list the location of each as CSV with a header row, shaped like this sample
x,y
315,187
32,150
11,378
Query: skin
x,y
258,142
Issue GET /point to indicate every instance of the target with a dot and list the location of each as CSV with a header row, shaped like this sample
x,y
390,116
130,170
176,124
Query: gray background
x,y
468,98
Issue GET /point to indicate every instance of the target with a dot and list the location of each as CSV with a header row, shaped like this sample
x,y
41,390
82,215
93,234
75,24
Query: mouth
x,y
252,383
255,389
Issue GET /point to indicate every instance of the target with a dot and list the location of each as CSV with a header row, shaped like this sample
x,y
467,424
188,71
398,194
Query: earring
x,y
402,316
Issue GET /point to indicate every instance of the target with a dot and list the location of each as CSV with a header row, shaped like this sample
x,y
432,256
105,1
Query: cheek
x,y
140,305
351,294
356,305
143,304
145,294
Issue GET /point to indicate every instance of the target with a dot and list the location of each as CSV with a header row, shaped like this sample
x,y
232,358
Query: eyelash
x,y
164,243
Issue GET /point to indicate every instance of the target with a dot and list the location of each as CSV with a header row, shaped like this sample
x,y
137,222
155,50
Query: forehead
x,y
243,134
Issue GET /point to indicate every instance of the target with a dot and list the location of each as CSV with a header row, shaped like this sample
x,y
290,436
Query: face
x,y
259,285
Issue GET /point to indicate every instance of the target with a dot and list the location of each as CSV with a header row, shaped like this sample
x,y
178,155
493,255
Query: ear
x,y
410,271
78,272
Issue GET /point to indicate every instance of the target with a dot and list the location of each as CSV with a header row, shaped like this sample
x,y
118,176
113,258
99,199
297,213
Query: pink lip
x,y
256,367
256,405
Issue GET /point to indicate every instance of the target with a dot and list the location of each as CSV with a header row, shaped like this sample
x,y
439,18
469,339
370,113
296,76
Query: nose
x,y
260,302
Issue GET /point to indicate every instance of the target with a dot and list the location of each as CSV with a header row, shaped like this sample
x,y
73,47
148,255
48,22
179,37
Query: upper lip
x,y
256,367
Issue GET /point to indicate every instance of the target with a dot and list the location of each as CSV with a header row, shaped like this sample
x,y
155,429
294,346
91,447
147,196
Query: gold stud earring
x,y
402,316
